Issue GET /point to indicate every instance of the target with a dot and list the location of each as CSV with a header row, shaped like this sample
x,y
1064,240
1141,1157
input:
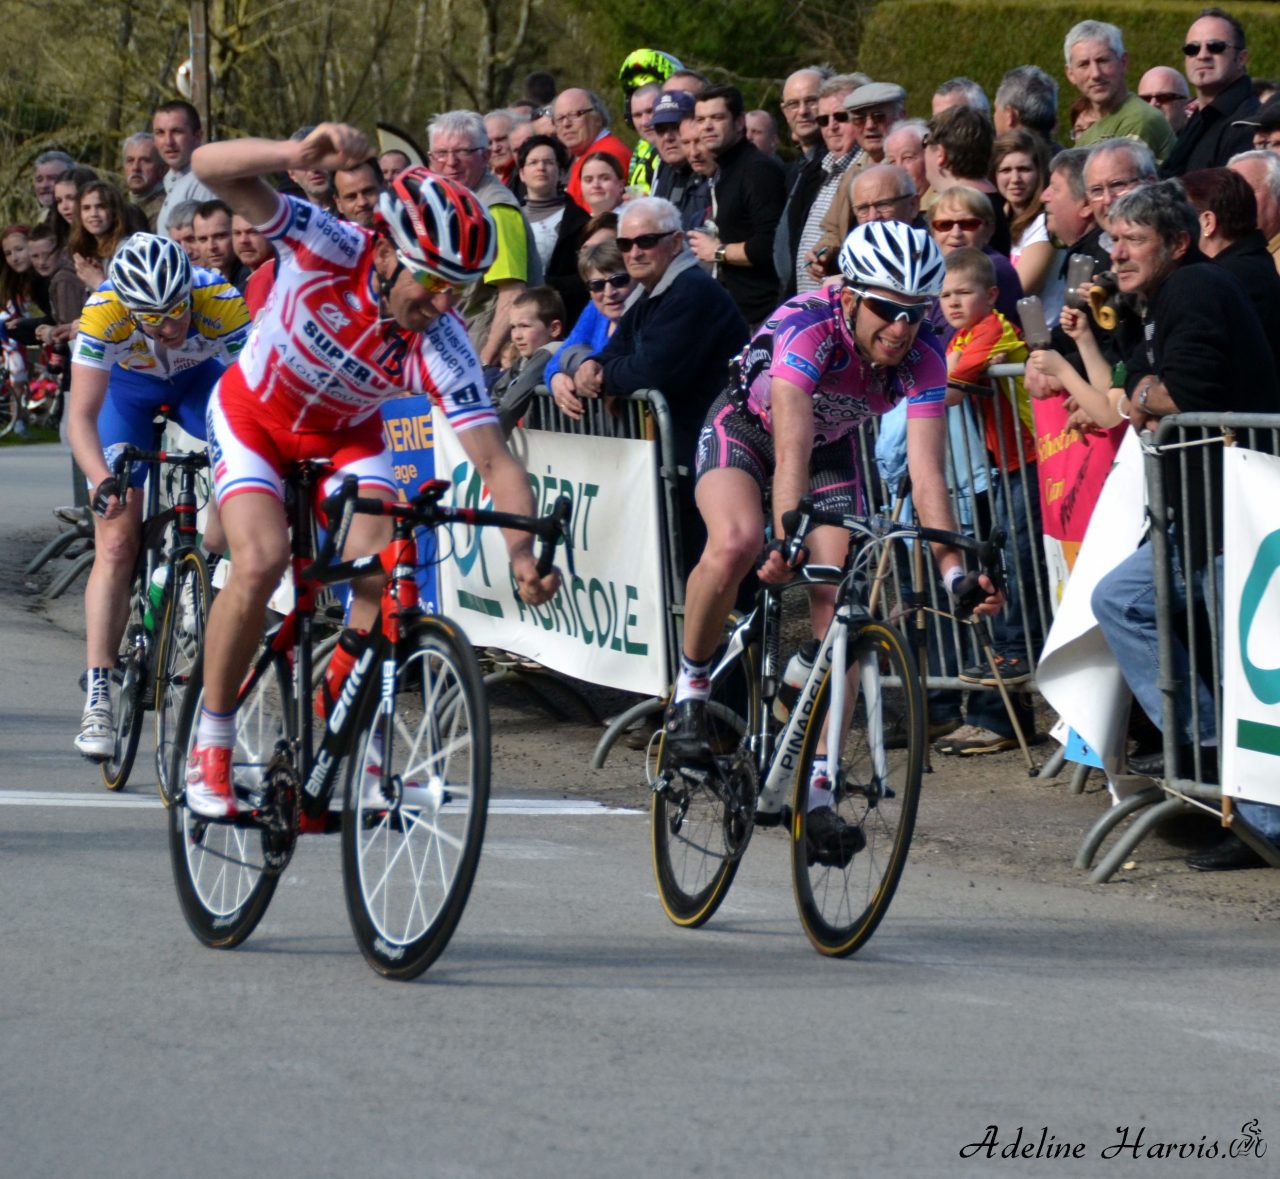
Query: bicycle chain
x,y
281,809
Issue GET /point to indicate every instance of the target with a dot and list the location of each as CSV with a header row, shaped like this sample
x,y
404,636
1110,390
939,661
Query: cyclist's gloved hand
x,y
772,566
103,494
972,591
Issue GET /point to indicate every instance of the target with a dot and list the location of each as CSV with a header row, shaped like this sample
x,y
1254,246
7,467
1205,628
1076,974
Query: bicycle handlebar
x,y
798,522
426,510
196,460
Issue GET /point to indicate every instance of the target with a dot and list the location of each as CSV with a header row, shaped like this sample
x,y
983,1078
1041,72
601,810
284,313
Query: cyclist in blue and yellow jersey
x,y
158,332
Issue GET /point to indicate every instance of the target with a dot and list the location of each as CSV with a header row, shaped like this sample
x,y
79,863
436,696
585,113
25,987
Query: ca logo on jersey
x,y
331,313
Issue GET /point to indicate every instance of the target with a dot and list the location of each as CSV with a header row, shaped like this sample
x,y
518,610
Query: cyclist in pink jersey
x,y
818,368
354,317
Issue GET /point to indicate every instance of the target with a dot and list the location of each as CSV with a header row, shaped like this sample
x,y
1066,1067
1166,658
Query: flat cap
x,y
874,94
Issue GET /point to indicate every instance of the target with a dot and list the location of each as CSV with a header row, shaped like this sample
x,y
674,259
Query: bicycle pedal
x,y
781,818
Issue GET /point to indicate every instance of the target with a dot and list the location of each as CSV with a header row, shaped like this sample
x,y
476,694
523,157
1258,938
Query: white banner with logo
x,y
1251,627
607,625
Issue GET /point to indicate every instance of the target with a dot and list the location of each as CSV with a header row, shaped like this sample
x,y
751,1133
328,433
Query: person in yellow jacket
x,y
642,69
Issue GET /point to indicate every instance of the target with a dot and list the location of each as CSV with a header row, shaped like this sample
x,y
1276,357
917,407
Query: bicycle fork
x,y
831,660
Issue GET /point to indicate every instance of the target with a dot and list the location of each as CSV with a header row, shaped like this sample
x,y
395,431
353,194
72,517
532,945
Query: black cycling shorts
x,y
733,438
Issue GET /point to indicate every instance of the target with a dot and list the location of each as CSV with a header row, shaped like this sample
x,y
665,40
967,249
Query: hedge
x,y
921,43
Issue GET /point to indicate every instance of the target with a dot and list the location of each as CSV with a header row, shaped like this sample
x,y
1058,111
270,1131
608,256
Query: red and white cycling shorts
x,y
249,447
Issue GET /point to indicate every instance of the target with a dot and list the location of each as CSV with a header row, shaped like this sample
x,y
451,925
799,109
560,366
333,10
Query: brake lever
x,y
559,519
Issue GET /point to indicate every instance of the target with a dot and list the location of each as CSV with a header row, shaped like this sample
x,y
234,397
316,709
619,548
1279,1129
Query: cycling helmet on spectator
x,y
639,68
150,274
438,225
893,256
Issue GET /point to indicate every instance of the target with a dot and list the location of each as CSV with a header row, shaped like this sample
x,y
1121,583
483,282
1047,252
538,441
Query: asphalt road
x,y
569,1029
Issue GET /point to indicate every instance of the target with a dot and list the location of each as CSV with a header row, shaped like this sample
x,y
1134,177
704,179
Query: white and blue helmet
x,y
894,256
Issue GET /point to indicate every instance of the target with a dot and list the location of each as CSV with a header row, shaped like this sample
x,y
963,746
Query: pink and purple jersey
x,y
321,357
807,343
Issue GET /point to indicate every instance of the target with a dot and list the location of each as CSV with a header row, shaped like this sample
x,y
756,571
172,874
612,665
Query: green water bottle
x,y
155,595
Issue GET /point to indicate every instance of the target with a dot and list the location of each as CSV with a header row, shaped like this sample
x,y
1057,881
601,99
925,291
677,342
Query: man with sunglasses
x,y
158,332
1216,58
355,317
1166,89
815,189
820,366
677,336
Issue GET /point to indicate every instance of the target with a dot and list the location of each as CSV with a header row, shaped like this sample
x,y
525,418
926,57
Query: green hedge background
x,y
921,43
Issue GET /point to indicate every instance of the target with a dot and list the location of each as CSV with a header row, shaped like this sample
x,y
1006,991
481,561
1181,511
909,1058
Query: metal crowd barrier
x,y
645,416
1185,445
979,490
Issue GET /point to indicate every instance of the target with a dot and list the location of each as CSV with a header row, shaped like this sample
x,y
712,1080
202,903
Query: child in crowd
x,y
537,328
984,337
1101,397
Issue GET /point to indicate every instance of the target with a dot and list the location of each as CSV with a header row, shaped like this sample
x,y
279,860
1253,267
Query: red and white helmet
x,y
438,225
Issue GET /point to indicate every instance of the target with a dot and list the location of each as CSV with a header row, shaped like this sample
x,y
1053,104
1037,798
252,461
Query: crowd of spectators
x,y
624,268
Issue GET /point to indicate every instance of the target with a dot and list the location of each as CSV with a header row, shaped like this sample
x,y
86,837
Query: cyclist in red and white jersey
x,y
354,317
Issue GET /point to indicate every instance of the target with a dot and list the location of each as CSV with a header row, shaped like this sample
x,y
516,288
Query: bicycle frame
x,y
380,650
777,754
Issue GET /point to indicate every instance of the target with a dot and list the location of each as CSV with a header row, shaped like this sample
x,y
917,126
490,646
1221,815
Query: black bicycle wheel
x,y
226,874
877,790
703,818
417,796
184,613
128,690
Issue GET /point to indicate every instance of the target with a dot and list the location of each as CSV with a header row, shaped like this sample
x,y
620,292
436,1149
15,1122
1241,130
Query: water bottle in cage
x,y
793,679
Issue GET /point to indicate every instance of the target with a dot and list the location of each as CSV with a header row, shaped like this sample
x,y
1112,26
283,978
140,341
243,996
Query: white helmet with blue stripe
x,y
893,256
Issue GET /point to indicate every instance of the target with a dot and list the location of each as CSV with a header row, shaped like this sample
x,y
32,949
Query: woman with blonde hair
x,y
964,216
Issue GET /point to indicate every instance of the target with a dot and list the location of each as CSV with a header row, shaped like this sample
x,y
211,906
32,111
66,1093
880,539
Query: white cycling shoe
x,y
96,739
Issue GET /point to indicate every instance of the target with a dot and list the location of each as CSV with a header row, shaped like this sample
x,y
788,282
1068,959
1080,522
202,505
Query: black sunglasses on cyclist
x,y
838,116
616,281
1192,48
890,310
646,241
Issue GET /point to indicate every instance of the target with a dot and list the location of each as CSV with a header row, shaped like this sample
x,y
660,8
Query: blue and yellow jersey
x,y
110,336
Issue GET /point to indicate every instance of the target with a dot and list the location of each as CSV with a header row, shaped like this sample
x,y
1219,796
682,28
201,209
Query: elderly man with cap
x,y
675,180
815,186
873,109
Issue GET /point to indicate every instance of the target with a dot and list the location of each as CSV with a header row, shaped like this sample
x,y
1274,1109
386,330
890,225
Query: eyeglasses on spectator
x,y
617,281
643,241
1192,48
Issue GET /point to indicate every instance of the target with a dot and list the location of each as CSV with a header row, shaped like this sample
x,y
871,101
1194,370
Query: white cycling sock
x,y
99,687
216,728
694,680
820,793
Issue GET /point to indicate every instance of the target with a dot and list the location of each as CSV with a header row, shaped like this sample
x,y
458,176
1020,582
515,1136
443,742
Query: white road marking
x,y
497,806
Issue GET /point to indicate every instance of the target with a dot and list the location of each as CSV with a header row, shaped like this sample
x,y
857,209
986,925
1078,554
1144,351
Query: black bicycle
x,y
411,723
168,605
862,706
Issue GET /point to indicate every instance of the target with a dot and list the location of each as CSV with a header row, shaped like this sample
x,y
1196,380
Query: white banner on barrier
x,y
607,625
1251,627
1077,673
